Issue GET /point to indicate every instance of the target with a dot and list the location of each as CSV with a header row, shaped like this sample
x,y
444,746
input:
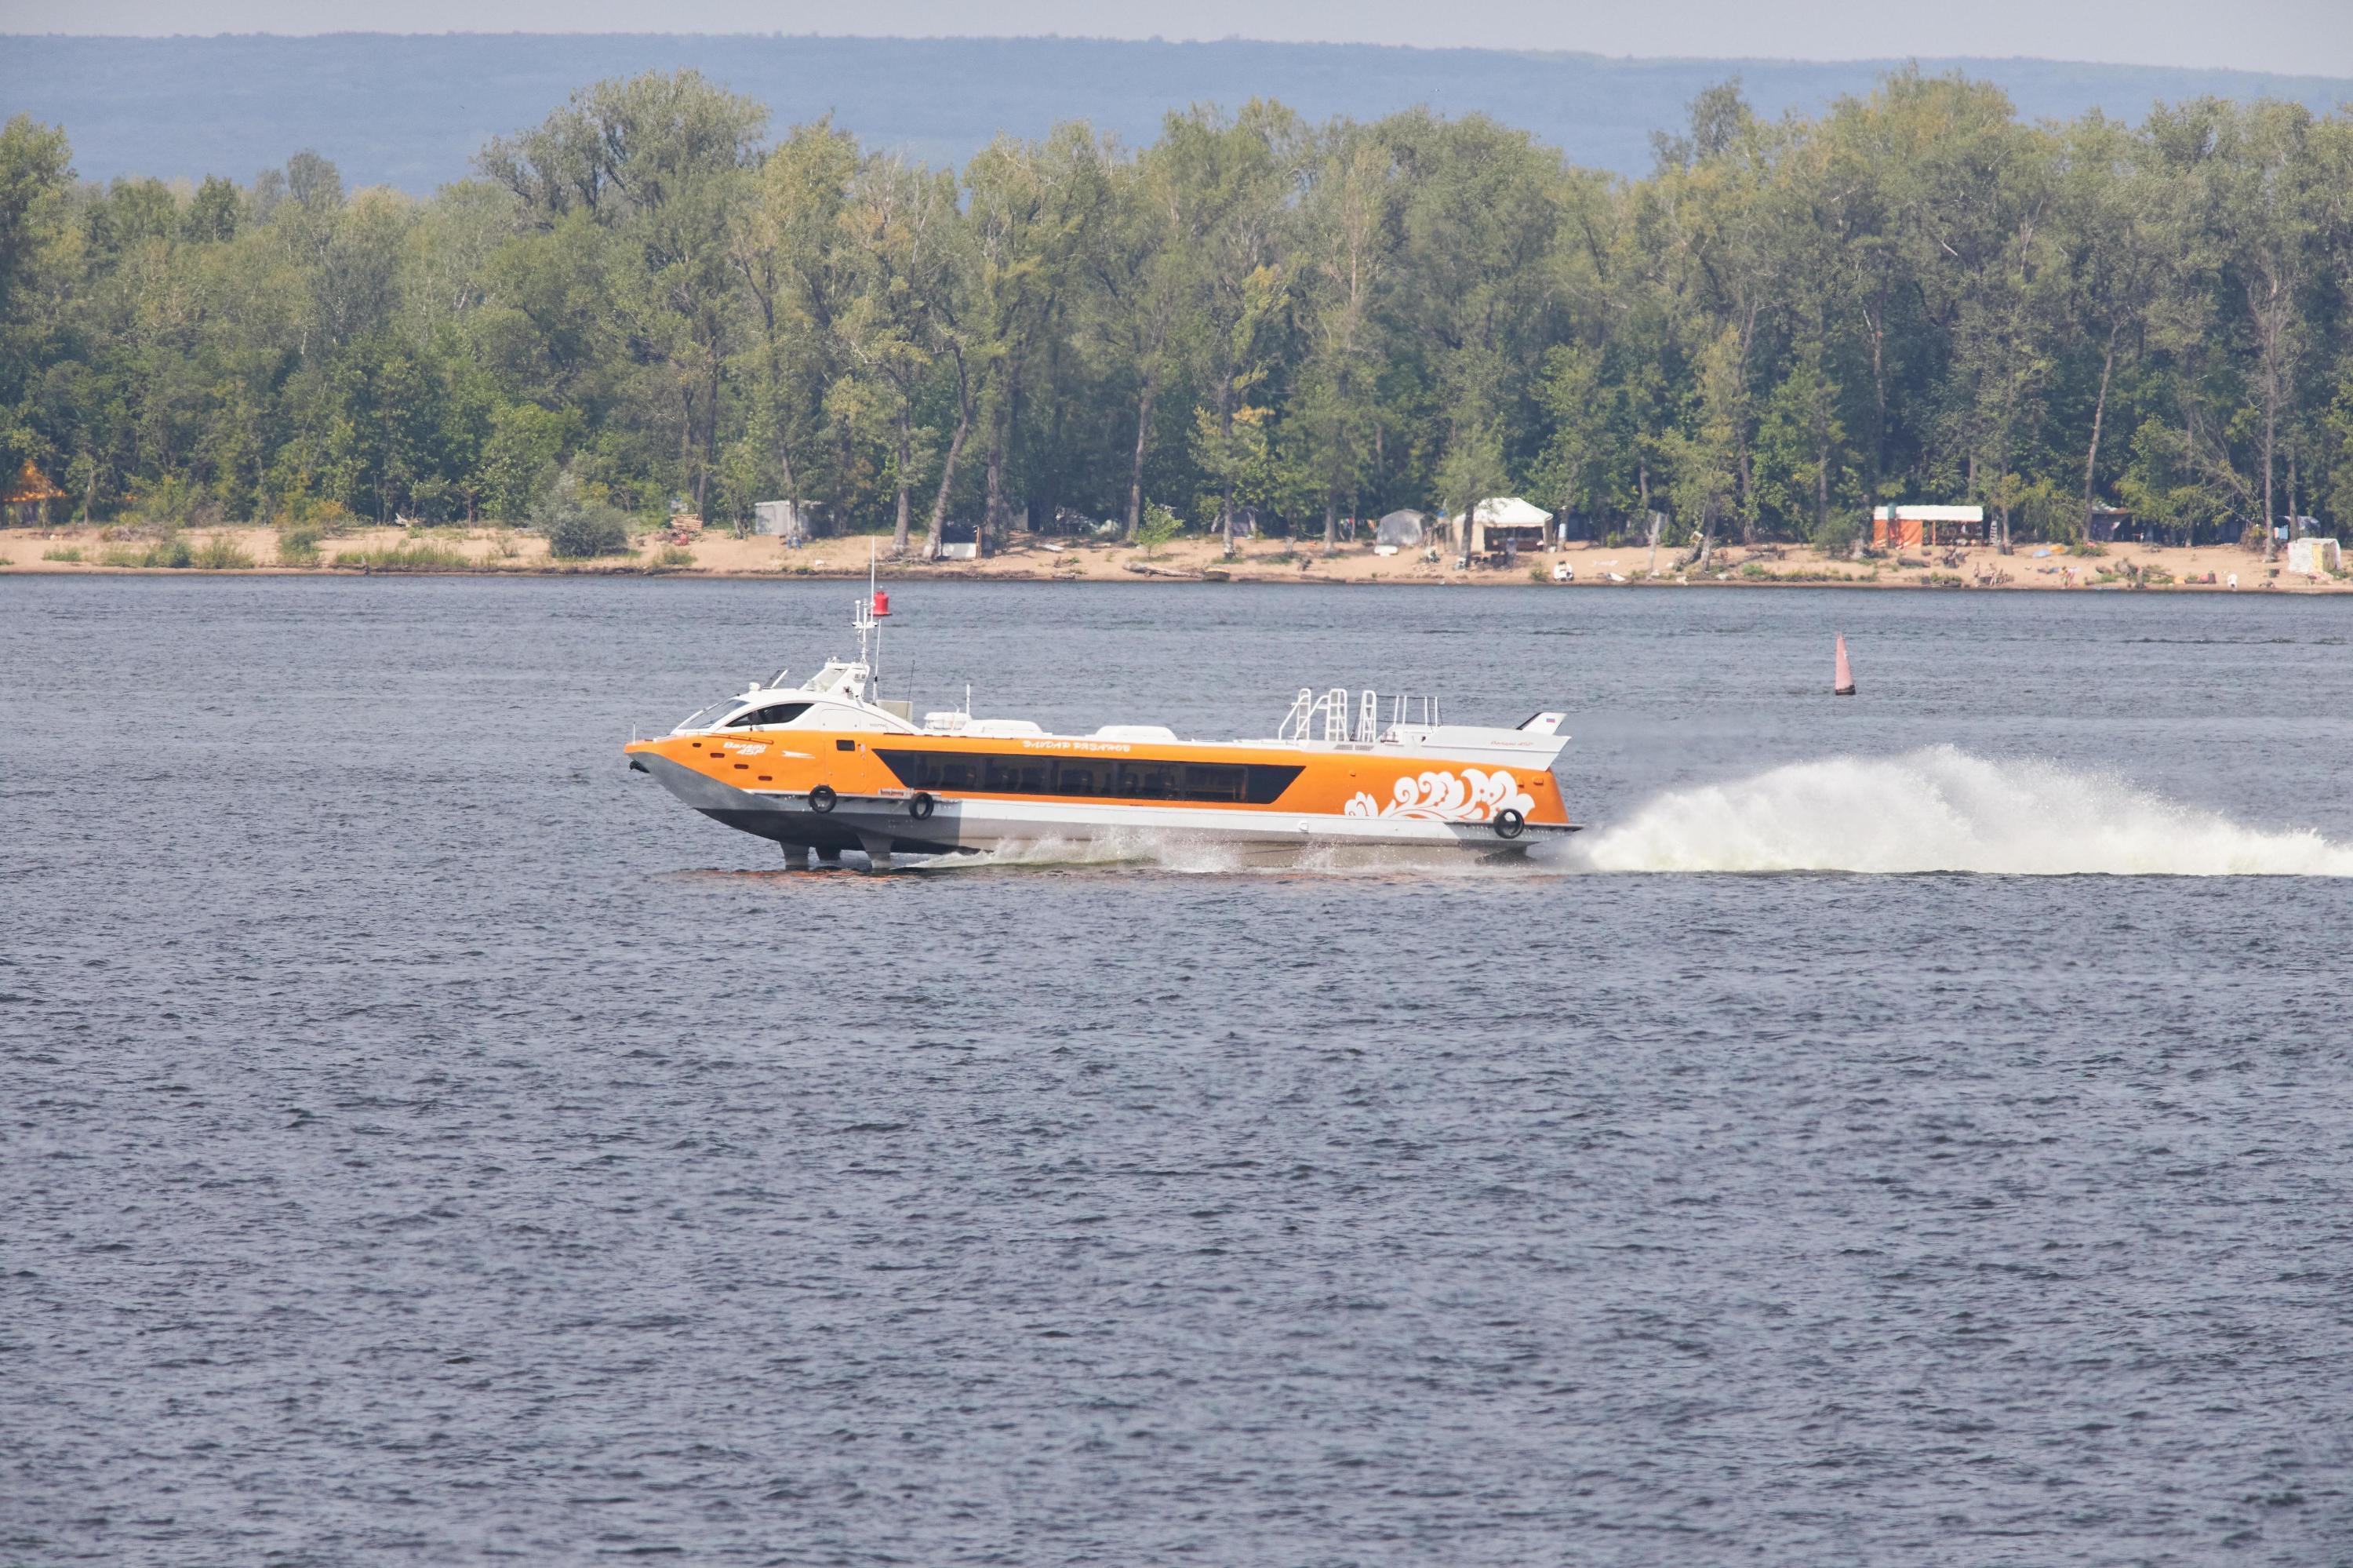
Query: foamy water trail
x,y
1943,810
1194,856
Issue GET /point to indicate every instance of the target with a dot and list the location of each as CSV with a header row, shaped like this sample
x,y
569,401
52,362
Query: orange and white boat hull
x,y
831,793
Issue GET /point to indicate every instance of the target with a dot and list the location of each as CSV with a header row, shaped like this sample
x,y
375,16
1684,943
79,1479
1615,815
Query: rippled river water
x,y
423,1140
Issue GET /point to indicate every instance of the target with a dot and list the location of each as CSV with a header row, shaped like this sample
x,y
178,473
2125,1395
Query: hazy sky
x,y
2299,37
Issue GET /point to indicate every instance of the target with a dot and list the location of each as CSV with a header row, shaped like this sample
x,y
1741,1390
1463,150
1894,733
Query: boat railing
x,y
1333,716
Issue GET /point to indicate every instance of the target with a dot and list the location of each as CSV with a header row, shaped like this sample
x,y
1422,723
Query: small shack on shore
x,y
1501,523
24,498
2315,557
1926,527
790,521
2113,525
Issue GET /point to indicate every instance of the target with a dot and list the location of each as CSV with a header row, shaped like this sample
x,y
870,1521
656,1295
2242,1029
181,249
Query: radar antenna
x,y
869,623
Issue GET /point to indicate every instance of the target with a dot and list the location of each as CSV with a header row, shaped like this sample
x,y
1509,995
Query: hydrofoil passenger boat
x,y
827,765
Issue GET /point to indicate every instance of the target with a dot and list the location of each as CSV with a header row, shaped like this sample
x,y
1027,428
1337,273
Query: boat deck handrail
x,y
1338,719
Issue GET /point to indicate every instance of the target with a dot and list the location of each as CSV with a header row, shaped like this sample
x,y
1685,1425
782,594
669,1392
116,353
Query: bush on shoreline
x,y
418,556
578,521
298,545
585,538
221,554
169,551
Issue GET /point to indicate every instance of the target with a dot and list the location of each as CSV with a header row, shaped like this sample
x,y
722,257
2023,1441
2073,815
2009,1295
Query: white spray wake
x,y
1941,810
1175,852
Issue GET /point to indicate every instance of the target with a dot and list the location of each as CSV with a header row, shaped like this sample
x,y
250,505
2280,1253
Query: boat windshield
x,y
708,718
773,716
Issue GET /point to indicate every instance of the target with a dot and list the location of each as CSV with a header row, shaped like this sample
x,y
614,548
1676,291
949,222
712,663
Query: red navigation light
x,y
881,603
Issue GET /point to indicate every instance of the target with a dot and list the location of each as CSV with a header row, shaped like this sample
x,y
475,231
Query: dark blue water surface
x,y
422,1141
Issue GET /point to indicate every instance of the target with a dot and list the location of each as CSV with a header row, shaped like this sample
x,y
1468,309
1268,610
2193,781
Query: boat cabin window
x,y
1027,773
770,717
707,718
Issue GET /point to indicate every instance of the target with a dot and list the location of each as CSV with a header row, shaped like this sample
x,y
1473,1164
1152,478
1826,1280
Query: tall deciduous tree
x,y
657,162
2270,204
791,248
1229,187
1348,233
900,223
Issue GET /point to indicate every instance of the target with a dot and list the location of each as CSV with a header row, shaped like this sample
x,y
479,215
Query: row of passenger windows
x,y
1023,773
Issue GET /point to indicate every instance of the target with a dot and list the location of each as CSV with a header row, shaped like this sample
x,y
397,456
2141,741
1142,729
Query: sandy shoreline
x,y
497,551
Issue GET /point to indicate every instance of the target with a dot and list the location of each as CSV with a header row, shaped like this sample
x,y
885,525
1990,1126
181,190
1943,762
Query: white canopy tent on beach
x,y
1502,520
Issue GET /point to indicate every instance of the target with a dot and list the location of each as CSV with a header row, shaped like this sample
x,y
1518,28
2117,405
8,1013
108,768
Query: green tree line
x,y
645,301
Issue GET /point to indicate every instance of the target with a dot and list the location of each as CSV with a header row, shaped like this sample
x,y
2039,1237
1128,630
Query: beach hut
x,y
791,521
2315,557
22,497
1403,528
2112,525
959,541
1503,523
1925,527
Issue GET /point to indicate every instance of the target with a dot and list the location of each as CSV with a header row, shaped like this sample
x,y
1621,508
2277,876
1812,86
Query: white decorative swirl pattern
x,y
1475,796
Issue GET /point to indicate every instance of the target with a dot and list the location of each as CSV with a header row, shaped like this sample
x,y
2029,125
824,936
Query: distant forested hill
x,y
410,111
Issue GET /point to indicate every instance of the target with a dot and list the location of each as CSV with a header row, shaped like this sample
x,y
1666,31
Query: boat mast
x,y
870,629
